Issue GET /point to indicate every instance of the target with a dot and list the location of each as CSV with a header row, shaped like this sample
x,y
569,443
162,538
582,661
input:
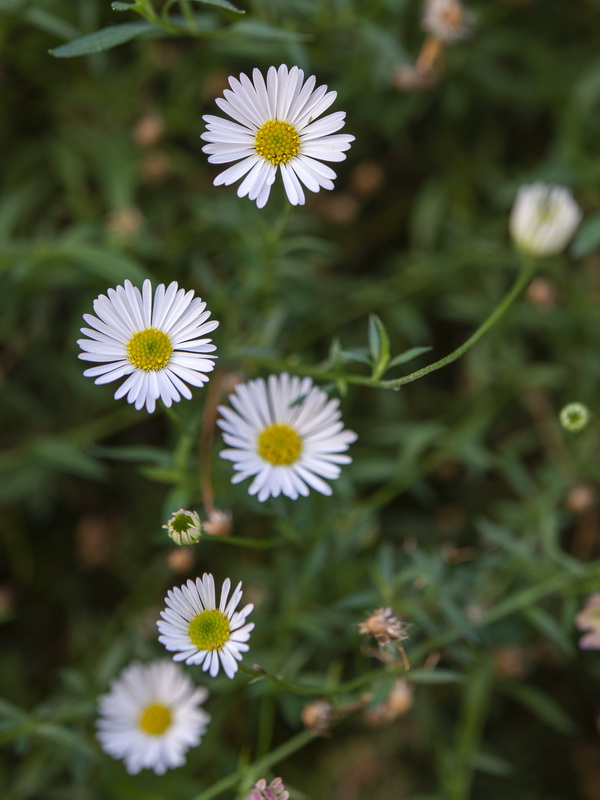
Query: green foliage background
x,y
467,509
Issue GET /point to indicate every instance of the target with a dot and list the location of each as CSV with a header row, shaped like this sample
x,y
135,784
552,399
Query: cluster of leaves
x,y
466,508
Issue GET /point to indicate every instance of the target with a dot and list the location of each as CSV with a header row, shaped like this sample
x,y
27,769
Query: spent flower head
x,y
201,632
318,716
151,716
384,626
574,417
156,341
184,527
543,219
219,523
274,791
588,620
447,20
286,434
275,128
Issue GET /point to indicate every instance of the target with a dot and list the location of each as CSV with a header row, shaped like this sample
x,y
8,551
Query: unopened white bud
x,y
543,219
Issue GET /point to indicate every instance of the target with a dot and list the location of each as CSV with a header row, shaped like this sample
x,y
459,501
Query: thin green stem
x,y
240,541
521,281
288,687
260,766
188,15
460,765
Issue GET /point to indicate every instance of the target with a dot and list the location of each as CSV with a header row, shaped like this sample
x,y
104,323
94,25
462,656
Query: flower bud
x,y
543,219
574,417
184,527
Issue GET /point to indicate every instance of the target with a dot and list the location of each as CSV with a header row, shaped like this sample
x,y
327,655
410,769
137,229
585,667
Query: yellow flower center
x,y
279,445
155,719
209,630
277,141
149,349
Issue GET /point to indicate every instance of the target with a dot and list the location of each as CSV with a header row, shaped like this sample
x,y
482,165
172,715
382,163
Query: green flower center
x,y
277,141
149,349
155,719
209,630
279,445
182,523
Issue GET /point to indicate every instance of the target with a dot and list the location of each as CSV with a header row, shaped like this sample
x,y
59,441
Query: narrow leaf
x,y
434,676
379,345
587,238
408,355
103,39
541,705
260,30
222,4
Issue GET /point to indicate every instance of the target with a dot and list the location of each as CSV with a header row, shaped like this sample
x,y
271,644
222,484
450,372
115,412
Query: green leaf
x,y
50,23
222,4
434,676
142,453
587,238
9,711
356,355
109,265
118,6
408,355
161,474
104,39
60,455
64,737
379,345
550,628
492,765
251,28
541,706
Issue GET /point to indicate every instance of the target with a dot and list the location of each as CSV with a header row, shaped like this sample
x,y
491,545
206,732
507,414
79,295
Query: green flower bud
x,y
574,417
184,527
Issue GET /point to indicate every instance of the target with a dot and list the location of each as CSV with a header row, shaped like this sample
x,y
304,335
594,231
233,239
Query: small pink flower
x,y
588,620
274,791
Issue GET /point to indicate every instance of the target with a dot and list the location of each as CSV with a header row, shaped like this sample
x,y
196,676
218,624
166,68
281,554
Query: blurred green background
x,y
467,508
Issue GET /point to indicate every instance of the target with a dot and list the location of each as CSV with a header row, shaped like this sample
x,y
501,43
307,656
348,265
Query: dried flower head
x,y
574,417
384,626
447,20
317,717
588,620
581,498
398,702
274,791
219,523
184,527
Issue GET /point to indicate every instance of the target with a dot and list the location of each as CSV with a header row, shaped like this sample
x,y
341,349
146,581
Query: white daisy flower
x,y
544,218
151,717
154,341
200,632
274,125
285,432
